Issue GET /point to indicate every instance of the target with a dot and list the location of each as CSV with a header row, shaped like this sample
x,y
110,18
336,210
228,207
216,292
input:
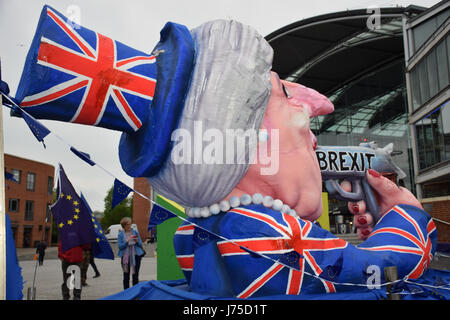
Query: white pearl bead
x,y
234,202
214,208
267,201
204,212
257,198
224,206
285,208
195,212
246,199
277,205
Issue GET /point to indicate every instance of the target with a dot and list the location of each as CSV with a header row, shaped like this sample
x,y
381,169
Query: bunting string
x,y
40,132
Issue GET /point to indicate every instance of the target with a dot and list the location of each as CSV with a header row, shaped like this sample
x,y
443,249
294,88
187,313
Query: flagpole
x,y
2,210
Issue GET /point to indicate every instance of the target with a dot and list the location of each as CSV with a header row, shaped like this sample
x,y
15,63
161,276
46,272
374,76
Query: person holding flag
x,y
75,231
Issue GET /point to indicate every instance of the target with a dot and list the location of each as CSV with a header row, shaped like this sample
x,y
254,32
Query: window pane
x,y
448,51
432,73
29,210
50,185
423,31
440,19
31,179
13,205
415,88
16,174
441,57
433,137
428,142
445,114
420,144
424,91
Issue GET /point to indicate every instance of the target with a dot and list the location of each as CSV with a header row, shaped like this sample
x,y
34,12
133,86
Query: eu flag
x,y
72,217
100,247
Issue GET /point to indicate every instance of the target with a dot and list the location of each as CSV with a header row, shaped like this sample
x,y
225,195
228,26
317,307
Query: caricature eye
x,y
286,93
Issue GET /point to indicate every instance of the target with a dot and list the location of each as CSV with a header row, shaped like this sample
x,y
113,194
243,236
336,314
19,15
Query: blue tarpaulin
x,y
179,290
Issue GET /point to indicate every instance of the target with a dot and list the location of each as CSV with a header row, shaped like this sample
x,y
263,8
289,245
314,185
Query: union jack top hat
x,y
218,73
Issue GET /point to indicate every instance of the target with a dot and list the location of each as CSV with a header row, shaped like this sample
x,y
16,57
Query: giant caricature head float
x,y
197,87
204,120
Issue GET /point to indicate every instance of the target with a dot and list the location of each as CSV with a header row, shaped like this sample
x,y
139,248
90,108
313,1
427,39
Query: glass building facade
x,y
428,74
368,110
433,137
362,70
431,75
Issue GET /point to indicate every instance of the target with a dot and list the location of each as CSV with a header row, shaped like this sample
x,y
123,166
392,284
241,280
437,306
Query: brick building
x,y
27,200
141,206
438,208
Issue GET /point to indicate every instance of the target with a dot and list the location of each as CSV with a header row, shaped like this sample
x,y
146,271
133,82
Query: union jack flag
x,y
78,75
403,237
276,235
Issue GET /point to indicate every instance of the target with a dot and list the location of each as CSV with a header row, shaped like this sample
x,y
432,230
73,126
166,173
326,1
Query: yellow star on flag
x,y
69,222
98,240
76,217
61,225
69,197
62,195
77,210
75,203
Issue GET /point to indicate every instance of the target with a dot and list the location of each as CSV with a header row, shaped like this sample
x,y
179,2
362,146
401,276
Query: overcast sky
x,y
136,23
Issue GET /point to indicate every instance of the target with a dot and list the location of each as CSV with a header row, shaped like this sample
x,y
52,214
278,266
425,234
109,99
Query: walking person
x,y
93,265
40,249
130,251
73,256
87,252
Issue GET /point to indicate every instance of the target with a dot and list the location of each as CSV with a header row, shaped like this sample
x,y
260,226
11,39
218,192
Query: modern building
x,y
427,57
364,61
27,200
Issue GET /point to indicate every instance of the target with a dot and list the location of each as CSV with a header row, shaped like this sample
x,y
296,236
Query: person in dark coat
x,y
40,249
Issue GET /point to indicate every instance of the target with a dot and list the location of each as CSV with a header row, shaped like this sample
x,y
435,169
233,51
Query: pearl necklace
x,y
234,202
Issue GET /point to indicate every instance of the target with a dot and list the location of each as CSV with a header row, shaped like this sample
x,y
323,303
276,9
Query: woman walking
x,y
130,251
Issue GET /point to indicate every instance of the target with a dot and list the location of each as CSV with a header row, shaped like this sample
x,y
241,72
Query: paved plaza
x,y
49,276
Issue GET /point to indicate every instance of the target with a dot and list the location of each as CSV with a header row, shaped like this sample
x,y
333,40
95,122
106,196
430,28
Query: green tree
x,y
123,209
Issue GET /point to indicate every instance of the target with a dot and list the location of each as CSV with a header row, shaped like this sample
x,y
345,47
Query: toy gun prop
x,y
350,163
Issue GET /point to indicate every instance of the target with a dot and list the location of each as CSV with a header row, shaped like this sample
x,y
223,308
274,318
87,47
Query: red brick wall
x,y
439,208
40,196
141,206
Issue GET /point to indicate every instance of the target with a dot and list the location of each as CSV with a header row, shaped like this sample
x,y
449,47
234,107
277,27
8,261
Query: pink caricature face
x,y
298,181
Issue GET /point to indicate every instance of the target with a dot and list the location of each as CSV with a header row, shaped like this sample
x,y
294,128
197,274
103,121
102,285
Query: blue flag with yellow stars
x,y
100,247
72,217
